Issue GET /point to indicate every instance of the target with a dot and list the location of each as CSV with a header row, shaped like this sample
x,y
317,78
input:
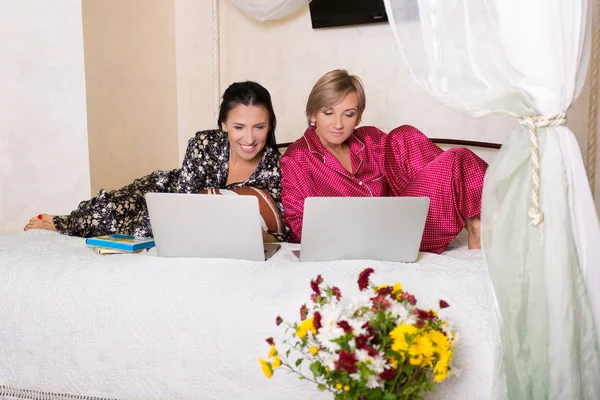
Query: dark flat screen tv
x,y
330,13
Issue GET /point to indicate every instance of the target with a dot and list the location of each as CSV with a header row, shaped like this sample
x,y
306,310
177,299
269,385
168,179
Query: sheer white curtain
x,y
263,10
528,59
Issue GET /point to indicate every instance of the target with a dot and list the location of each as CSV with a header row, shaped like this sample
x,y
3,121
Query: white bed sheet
x,y
139,326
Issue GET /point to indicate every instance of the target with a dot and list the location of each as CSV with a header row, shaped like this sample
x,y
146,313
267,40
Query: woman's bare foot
x,y
42,221
474,229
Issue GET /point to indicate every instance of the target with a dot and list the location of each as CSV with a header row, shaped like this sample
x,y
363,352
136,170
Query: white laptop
x,y
369,228
207,226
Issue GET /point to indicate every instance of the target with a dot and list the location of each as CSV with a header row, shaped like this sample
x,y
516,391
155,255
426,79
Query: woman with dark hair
x,y
242,152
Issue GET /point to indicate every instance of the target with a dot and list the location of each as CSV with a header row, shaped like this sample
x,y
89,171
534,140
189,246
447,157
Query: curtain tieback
x,y
536,216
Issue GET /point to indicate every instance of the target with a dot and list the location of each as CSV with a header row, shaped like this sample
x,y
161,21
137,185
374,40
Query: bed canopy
x,y
540,234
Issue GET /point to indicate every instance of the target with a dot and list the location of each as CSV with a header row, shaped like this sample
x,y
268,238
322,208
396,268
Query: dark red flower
x,y
314,285
336,291
420,323
372,333
346,361
407,296
363,278
345,326
372,351
380,303
313,297
444,304
278,320
317,321
426,315
303,312
270,341
388,374
361,341
319,279
385,290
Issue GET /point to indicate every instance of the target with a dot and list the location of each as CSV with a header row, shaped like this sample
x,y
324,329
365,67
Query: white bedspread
x,y
139,326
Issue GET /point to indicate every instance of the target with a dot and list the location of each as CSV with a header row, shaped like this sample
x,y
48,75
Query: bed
x,y
78,325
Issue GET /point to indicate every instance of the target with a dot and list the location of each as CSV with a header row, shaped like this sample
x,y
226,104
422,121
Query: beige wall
x,y
44,164
597,193
131,89
195,72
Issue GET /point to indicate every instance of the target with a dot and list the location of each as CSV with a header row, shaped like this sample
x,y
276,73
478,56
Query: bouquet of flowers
x,y
377,345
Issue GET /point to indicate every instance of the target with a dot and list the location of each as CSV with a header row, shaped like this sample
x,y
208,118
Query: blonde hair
x,y
331,88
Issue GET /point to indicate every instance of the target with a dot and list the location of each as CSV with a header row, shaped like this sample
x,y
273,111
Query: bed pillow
x,y
271,220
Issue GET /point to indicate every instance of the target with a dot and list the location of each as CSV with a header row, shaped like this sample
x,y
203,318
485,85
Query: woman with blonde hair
x,y
334,157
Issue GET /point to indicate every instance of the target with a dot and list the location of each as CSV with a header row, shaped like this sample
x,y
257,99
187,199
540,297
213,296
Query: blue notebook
x,y
121,242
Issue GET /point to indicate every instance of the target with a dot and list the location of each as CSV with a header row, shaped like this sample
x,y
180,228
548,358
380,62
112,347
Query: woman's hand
x,y
268,238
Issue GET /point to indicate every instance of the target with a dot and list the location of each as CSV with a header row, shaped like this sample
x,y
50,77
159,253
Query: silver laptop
x,y
369,228
207,226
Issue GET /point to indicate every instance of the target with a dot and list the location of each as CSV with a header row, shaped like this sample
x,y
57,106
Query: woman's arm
x,y
191,177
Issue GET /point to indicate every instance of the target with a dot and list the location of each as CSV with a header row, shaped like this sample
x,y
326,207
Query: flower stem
x,y
407,383
289,367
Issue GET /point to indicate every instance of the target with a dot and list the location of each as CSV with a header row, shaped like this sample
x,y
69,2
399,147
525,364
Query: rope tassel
x,y
536,216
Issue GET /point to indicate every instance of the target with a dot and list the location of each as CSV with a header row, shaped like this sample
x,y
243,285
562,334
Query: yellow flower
x,y
393,362
276,362
397,287
313,350
346,388
402,330
326,369
440,377
399,334
338,386
421,351
427,362
440,341
305,326
272,351
441,367
416,359
400,344
266,368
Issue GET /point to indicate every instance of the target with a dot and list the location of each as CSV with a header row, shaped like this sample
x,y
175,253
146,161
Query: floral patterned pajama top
x,y
205,166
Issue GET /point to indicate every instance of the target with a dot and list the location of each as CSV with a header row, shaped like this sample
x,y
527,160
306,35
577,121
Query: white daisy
x,y
378,364
355,376
327,359
363,356
356,324
399,312
327,333
374,382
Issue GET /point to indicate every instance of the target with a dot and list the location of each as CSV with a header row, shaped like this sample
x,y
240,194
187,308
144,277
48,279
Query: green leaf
x,y
299,361
389,396
375,394
321,388
287,353
317,369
